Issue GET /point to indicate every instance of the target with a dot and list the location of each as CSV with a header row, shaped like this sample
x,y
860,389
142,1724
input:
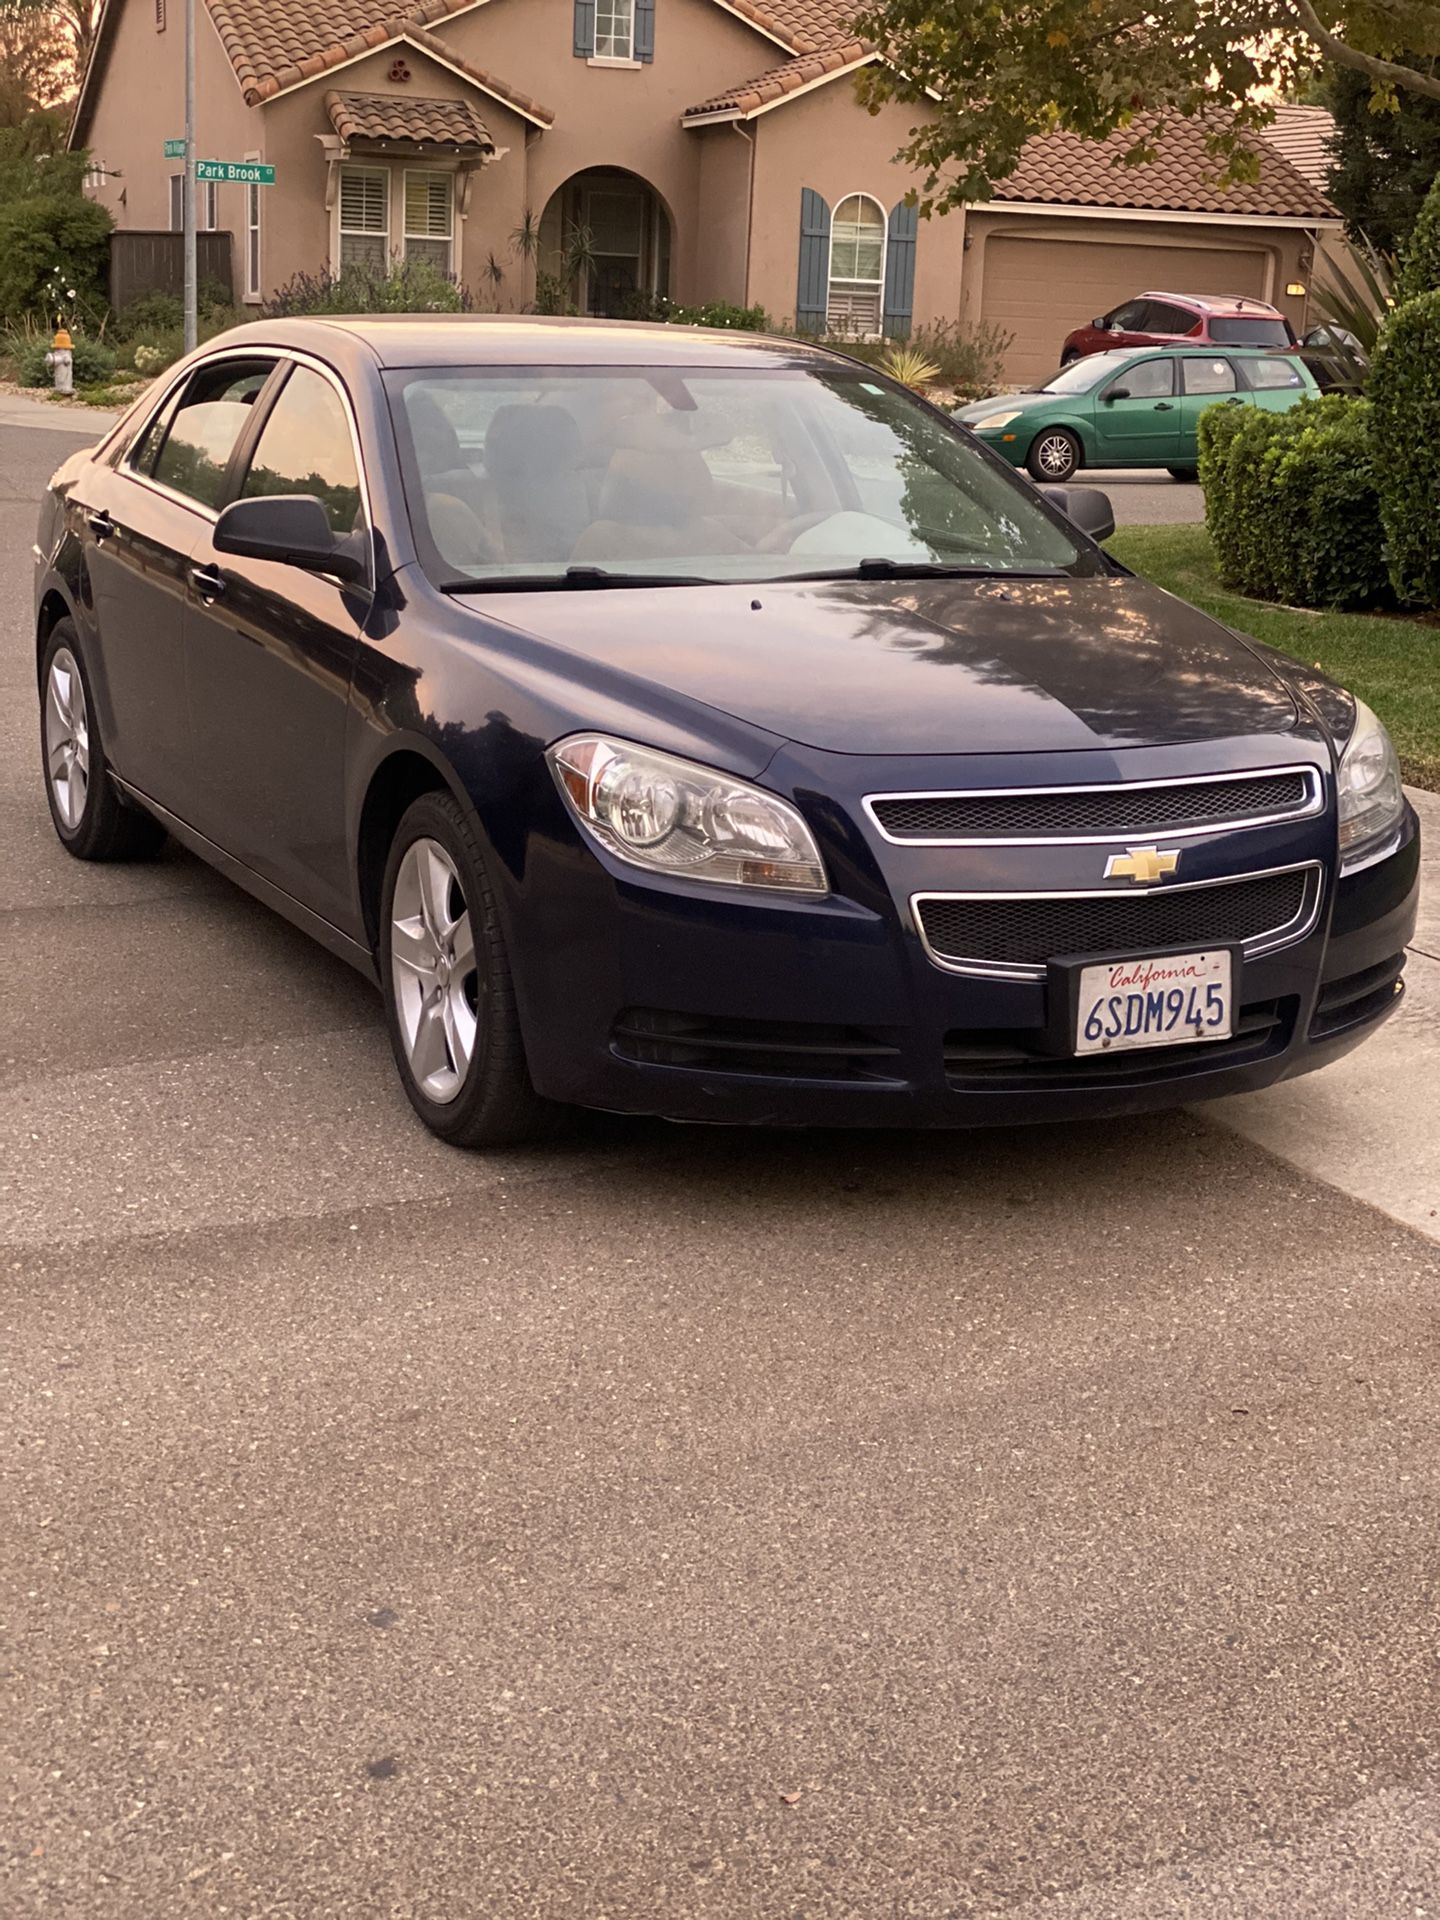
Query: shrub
x,y
1420,261
1405,390
910,367
410,286
719,313
969,359
150,313
92,363
1291,503
47,243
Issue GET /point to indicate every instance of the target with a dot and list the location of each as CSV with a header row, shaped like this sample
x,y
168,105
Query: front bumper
x,y
697,1005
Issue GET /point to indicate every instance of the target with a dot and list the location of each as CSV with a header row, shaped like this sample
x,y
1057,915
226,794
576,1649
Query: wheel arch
x,y
409,768
53,608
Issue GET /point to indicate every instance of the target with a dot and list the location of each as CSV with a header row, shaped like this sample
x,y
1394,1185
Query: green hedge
x,y
1420,259
1405,391
54,256
1291,502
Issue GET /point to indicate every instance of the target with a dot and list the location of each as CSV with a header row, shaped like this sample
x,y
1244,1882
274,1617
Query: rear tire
x,y
449,992
1054,455
92,820
1189,475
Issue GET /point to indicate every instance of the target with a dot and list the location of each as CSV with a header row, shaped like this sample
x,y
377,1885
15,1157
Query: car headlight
x,y
993,422
674,817
1372,799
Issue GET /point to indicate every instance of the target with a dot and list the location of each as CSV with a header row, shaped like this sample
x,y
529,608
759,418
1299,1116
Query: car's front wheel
x,y
1054,454
91,819
1188,474
449,992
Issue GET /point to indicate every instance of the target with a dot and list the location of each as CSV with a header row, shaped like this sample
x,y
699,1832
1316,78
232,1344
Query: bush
x,y
1291,502
1420,261
51,244
411,286
148,314
1405,392
718,313
92,363
969,360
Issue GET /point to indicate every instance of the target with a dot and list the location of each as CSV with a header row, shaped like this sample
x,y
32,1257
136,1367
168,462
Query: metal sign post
x,y
187,196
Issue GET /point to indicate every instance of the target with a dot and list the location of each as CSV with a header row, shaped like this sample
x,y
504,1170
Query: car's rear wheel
x,y
449,992
92,820
1187,474
1054,454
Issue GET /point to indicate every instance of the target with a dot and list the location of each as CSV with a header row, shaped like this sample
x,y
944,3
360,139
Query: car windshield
x,y
1081,375
571,476
1234,330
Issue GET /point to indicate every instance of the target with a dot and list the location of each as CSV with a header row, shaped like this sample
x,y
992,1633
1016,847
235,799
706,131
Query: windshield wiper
x,y
880,568
574,578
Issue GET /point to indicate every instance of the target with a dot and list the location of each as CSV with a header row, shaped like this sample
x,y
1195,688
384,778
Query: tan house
x,y
710,149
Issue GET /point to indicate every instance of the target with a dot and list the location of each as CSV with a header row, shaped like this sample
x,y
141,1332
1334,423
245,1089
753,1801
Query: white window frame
x,y
406,236
848,280
338,243
207,207
622,11
253,230
177,202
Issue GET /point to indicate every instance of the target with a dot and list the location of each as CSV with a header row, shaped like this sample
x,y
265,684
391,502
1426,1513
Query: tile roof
x,y
408,118
1062,169
274,47
1302,136
787,78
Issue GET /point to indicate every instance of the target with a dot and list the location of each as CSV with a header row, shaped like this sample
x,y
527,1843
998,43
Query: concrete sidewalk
x,y
1370,1125
38,410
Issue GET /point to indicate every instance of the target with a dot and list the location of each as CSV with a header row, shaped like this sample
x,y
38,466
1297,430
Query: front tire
x,y
1186,474
449,992
91,819
1054,454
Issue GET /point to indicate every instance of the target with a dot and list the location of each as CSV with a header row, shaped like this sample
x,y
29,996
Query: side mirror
x,y
290,528
1115,393
1102,325
1087,507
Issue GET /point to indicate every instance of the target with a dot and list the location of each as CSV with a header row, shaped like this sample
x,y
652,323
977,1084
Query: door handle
x,y
100,524
1164,406
208,583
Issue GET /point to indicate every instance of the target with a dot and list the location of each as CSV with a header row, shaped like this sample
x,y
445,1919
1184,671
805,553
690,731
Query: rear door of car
x,y
141,521
1136,418
1276,382
270,650
1206,380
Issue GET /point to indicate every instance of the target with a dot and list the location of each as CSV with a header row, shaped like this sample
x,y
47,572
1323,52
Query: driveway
x,y
1144,499
678,1522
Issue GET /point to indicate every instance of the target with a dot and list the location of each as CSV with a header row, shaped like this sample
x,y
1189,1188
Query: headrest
x,y
661,432
437,445
654,489
530,443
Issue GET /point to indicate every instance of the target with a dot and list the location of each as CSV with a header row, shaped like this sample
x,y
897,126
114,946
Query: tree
x,y
1420,261
34,53
990,74
1385,157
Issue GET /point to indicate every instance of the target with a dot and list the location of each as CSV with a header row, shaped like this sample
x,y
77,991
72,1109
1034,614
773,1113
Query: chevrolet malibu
x,y
684,724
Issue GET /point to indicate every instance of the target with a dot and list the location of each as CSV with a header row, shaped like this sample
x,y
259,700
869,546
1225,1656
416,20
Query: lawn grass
x,y
1393,664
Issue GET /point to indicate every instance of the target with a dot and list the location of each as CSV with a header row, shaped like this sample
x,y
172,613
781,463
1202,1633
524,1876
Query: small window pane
x,y
305,447
1270,374
209,421
615,29
1207,376
1151,380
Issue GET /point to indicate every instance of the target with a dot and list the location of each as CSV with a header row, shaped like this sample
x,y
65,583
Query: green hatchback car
x,y
1134,408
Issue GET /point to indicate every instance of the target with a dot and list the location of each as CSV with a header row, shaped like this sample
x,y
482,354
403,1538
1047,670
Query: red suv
x,y
1157,319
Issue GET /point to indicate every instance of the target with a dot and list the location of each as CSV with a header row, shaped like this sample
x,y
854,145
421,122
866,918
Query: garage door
x,y
1039,290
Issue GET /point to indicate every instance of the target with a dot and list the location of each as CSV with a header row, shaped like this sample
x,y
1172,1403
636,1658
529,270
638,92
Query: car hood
x,y
1008,402
925,666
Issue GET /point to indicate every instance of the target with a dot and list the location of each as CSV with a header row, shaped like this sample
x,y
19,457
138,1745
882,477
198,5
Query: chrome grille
x,y
1098,813
1016,936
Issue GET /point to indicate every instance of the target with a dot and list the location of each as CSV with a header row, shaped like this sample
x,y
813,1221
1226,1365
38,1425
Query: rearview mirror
x,y
1086,507
1116,393
290,528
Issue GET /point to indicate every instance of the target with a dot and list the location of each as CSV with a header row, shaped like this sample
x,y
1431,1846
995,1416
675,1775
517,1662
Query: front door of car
x,y
139,524
1204,382
1136,419
269,654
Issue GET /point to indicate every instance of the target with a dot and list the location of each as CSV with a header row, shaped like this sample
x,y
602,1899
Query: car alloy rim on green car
x,y
1055,455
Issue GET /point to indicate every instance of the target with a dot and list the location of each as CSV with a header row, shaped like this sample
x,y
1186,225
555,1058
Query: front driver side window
x,y
191,452
1151,380
305,447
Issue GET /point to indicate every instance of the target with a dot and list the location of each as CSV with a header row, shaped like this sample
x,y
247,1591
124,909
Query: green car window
x,y
1207,376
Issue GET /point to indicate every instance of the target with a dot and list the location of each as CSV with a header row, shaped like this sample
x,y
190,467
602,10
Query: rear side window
x,y
189,449
306,447
1241,330
1207,376
1151,380
1160,318
1266,374
1129,317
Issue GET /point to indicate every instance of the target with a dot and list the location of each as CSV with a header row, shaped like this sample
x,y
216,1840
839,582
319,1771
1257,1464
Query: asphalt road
x,y
671,1522
1144,499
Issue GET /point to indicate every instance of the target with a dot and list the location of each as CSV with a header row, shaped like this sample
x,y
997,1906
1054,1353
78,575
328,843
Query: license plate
x,y
1165,1002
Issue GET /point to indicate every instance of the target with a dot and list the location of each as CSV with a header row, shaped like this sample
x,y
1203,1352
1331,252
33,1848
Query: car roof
x,y
1210,350
1218,303
466,339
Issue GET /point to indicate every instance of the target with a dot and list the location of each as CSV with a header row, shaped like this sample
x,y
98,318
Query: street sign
x,y
174,149
248,172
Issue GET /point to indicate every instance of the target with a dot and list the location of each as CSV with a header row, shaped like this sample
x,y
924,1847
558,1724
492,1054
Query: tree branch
x,y
1344,55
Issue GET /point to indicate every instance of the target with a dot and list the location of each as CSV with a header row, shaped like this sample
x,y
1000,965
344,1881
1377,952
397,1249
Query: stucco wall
x,y
726,158
824,141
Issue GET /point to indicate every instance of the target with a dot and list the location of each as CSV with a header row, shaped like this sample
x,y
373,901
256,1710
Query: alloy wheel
x,y
433,975
1056,455
67,738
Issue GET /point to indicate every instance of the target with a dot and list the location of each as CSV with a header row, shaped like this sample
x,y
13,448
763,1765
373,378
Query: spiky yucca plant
x,y
910,367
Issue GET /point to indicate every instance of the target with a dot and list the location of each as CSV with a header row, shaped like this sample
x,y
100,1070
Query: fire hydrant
x,y
61,362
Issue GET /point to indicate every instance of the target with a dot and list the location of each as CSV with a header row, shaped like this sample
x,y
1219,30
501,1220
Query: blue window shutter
x,y
644,29
813,291
900,271
584,29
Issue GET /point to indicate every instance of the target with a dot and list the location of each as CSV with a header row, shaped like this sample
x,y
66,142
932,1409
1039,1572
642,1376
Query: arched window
x,y
857,266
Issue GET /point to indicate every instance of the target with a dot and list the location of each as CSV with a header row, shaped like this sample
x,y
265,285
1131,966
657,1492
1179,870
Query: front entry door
x,y
617,218
269,653
1136,419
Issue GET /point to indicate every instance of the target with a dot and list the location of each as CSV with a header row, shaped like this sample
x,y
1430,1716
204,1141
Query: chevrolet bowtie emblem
x,y
1143,864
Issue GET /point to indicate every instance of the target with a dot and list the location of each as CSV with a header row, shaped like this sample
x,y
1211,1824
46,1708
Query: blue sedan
x,y
676,723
